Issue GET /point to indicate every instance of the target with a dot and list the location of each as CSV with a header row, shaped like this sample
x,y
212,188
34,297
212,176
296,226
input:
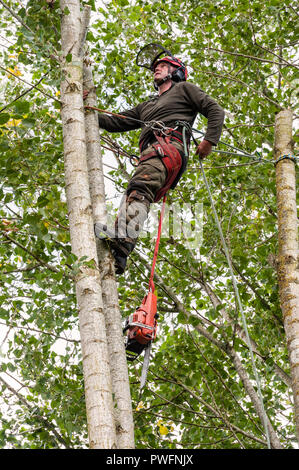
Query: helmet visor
x,y
149,54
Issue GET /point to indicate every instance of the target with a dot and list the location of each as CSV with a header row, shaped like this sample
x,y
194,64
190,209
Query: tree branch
x,y
42,332
17,17
25,92
230,77
210,408
40,418
254,57
27,83
51,268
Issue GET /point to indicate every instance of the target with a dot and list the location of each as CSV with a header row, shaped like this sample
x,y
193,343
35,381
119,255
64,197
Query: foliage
x,y
239,52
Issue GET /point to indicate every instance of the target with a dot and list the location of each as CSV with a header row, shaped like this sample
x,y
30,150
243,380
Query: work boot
x,y
122,239
120,252
120,248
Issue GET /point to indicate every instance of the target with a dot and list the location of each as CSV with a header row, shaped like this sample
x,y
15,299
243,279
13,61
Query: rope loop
x,y
288,156
134,160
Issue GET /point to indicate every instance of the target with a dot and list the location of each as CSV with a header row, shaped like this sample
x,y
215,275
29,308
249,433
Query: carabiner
x,y
134,160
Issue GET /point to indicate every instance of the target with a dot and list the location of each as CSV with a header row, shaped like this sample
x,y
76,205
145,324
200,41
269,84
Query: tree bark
x,y
274,440
98,392
287,260
117,356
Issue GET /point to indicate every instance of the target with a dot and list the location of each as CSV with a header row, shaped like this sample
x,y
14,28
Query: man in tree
x,y
163,159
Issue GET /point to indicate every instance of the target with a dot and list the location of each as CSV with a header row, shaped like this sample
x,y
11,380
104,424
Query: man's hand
x,y
204,149
85,94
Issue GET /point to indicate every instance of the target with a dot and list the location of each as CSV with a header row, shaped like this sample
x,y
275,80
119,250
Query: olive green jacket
x,y
183,101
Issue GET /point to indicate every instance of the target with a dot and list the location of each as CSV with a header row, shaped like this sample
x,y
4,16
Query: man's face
x,y
162,70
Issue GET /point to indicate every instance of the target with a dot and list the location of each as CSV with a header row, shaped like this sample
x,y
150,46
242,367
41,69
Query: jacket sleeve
x,y
208,107
129,122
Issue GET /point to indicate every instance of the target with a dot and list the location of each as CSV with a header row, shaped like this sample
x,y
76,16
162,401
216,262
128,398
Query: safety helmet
x,y
180,74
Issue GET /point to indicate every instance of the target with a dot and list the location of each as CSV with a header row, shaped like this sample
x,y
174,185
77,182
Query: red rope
x,y
106,112
113,114
151,281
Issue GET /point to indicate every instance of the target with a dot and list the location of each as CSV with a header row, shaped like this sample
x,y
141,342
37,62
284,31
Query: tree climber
x,y
162,156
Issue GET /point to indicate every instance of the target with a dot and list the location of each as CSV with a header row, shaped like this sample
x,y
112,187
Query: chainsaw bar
x,y
145,366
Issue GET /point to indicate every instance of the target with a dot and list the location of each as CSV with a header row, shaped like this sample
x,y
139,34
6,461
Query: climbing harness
x,y
170,157
168,153
141,326
165,149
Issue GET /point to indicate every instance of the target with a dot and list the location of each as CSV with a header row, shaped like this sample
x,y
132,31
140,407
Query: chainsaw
x,y
141,330
141,326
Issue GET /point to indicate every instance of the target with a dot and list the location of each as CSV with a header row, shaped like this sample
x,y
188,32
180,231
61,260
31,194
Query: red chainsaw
x,y
141,326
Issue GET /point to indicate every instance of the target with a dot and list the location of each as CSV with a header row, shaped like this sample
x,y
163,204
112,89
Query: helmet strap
x,y
162,80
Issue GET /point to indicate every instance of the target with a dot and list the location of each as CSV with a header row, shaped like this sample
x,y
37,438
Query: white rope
x,y
257,378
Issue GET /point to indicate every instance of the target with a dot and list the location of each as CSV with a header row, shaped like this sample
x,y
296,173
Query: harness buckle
x,y
160,151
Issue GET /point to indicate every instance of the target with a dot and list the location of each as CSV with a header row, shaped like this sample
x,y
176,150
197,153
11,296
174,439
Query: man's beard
x,y
160,81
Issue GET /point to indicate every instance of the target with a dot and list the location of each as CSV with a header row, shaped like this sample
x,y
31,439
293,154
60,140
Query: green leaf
x,y
28,123
4,118
22,107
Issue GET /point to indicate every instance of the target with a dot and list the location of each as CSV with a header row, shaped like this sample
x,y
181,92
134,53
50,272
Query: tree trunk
x,y
287,262
98,393
255,399
117,357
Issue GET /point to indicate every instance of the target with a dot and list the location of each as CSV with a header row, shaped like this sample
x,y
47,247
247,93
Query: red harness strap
x,y
170,157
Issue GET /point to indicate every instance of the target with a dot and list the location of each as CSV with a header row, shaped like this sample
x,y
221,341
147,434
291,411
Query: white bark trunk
x,y
288,270
117,358
98,393
275,443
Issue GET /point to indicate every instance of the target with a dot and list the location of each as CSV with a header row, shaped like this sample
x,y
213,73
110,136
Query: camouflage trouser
x,y
148,179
